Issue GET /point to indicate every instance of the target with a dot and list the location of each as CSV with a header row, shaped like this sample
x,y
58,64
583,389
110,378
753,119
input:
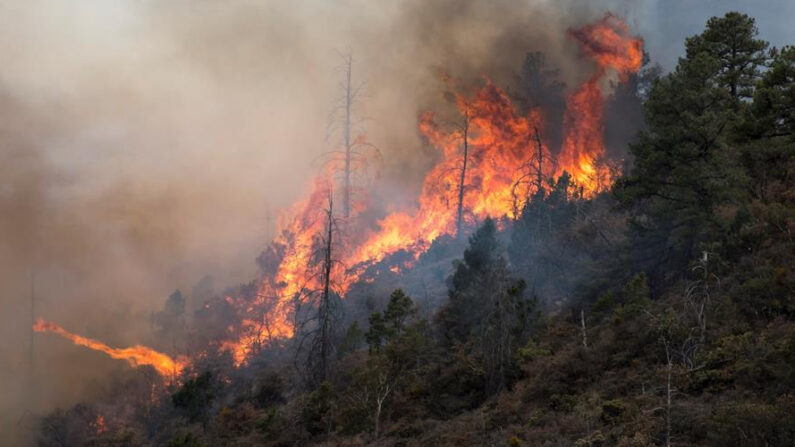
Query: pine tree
x,y
685,168
486,311
482,271
767,130
732,40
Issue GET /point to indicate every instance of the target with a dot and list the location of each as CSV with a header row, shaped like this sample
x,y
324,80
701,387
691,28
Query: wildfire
x,y
503,150
611,47
501,145
135,355
99,425
297,245
489,165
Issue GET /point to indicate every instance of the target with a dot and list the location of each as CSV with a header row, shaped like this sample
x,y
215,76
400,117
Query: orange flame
x,y
501,142
269,316
135,355
99,425
609,44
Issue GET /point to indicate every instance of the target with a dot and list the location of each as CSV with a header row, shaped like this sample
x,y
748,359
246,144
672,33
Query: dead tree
x,y
583,329
462,180
32,346
540,160
324,307
698,294
373,387
346,194
674,339
669,366
382,392
315,324
531,174
352,161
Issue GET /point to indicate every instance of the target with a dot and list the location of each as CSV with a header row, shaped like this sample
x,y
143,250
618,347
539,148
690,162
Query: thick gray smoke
x,y
144,143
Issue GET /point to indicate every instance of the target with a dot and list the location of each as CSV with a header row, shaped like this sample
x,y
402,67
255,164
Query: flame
x,y
502,173
269,316
135,355
501,143
99,425
611,47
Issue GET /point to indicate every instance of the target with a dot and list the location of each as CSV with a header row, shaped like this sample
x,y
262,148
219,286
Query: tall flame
x,y
269,316
501,143
611,47
135,355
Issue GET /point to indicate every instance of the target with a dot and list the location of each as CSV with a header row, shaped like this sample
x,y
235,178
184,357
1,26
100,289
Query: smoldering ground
x,y
144,144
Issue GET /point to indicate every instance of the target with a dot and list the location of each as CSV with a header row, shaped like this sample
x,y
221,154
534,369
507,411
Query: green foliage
x,y
562,402
268,390
636,296
514,441
376,332
731,40
267,423
756,424
531,351
771,113
185,440
316,414
686,173
457,383
479,275
398,311
612,410
195,397
392,323
603,304
487,311
351,341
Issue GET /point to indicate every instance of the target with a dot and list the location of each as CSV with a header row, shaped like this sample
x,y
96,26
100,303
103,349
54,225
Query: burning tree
x,y
531,175
316,325
609,44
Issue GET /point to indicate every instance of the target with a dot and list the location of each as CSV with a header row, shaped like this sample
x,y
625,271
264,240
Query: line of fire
x,y
491,163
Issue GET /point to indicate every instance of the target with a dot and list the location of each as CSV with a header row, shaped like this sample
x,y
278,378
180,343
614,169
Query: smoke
x,y
144,144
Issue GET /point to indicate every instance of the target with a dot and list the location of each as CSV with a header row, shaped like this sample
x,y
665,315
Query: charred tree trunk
x,y
583,328
31,353
668,391
540,165
539,183
346,193
461,183
324,310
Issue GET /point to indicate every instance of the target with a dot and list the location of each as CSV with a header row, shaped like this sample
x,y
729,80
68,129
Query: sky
x,y
666,23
